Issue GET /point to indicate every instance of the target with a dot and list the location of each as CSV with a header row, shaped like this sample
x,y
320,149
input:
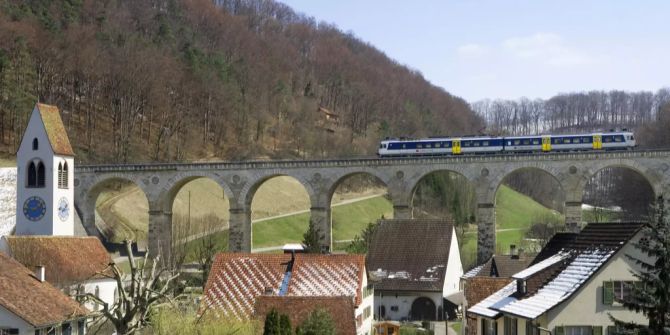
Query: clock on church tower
x,y
45,170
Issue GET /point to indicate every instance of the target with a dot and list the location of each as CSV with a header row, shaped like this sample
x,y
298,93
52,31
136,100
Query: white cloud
x,y
547,48
472,50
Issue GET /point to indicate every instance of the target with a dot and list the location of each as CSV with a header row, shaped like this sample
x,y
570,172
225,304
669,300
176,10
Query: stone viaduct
x,y
240,180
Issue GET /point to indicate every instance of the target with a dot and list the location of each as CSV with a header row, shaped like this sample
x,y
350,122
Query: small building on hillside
x,y
31,306
486,279
571,288
416,268
76,265
236,280
341,310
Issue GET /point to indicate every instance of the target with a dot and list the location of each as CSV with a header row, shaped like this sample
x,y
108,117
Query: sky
x,y
509,49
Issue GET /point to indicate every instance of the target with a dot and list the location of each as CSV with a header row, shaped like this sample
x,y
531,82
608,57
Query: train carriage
x,y
624,140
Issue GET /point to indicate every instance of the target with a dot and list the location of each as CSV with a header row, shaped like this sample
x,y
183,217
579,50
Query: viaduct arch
x,y
239,180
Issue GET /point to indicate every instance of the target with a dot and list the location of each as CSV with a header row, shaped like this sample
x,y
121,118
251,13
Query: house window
x,y
532,329
81,327
367,312
521,286
36,144
97,295
510,326
489,327
62,175
9,331
66,329
614,330
579,330
617,291
36,174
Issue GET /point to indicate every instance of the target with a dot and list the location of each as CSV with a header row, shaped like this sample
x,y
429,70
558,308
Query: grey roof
x,y
410,255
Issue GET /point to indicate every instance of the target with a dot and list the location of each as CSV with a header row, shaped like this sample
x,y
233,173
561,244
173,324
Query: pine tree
x,y
312,239
651,294
277,324
319,322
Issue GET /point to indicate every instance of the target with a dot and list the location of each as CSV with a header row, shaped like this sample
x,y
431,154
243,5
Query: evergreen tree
x,y
651,294
276,324
361,243
312,239
319,322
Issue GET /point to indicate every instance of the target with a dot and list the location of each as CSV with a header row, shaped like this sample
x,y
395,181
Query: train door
x,y
546,144
456,147
597,142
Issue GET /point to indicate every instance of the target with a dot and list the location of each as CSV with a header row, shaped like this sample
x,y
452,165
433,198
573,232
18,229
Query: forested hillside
x,y
167,80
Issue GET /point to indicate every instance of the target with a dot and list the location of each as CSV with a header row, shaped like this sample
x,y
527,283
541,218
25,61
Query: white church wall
x,y
7,200
24,156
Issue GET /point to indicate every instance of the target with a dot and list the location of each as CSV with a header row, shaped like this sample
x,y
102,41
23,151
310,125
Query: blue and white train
x,y
623,140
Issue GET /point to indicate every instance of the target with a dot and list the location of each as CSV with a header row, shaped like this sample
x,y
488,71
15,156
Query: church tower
x,y
45,174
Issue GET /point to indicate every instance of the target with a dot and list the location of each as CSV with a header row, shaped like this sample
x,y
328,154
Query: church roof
x,y
67,260
36,302
55,129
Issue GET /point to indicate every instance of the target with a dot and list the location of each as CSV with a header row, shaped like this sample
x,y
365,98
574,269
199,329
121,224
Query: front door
x,y
456,147
546,144
597,142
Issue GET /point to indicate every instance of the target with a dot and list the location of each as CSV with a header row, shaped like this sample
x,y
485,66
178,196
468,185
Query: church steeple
x,y
45,170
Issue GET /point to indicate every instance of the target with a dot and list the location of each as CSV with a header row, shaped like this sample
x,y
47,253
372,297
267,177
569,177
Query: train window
x,y
526,142
586,139
557,141
404,146
607,139
618,138
485,143
447,144
476,143
575,140
632,138
437,145
536,141
418,146
428,145
517,142
466,144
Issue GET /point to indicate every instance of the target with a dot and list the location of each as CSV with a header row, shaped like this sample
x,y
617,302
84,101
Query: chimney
x,y
39,273
269,291
512,251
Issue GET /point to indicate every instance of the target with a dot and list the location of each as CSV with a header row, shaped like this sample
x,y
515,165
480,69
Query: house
x,y
571,288
298,308
31,306
236,280
76,265
486,279
416,268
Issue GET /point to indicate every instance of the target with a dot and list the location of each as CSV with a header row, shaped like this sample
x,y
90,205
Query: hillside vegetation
x,y
166,80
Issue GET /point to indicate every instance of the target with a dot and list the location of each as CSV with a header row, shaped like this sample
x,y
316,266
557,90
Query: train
x,y
438,146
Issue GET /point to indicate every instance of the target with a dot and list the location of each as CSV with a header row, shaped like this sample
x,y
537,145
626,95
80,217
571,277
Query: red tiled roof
x,y
328,275
67,260
237,279
341,310
53,124
410,255
38,303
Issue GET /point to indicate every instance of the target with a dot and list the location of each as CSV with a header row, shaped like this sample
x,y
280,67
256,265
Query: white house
x,y
45,174
415,266
31,306
571,291
236,280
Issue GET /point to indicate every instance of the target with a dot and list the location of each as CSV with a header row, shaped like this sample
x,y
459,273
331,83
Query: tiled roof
x,y
38,303
341,310
557,277
328,275
478,288
67,259
55,129
236,279
410,255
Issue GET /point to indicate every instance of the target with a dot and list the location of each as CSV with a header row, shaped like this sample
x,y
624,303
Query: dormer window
x,y
521,286
36,144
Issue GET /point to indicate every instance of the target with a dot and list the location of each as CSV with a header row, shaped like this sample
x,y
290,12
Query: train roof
x,y
436,139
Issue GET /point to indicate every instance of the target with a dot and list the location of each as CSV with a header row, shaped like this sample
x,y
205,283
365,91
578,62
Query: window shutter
x,y
560,331
597,330
608,293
